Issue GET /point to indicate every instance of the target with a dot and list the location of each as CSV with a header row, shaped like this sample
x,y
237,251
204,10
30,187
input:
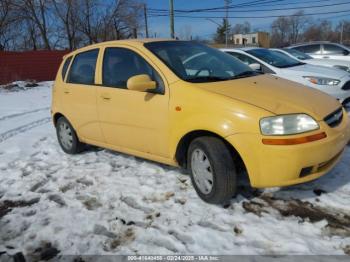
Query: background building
x,y
261,39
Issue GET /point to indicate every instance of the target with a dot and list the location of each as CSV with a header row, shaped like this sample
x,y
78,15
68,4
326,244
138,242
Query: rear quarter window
x,y
65,67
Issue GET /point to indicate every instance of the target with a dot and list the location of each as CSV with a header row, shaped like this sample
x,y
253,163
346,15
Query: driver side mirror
x,y
255,67
345,52
141,83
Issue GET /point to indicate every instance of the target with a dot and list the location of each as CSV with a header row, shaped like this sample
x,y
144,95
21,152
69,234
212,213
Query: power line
x,y
278,9
239,6
286,4
217,8
243,17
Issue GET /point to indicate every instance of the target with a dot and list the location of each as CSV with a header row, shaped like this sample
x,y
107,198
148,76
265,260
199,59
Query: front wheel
x,y
67,137
212,170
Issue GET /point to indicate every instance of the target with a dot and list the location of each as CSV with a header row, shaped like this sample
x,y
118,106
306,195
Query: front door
x,y
131,119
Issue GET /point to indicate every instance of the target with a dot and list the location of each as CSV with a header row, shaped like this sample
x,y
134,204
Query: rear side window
x,y
83,68
119,64
330,49
309,49
65,67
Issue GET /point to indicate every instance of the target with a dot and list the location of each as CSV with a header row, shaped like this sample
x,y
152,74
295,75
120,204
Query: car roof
x,y
240,49
131,42
312,43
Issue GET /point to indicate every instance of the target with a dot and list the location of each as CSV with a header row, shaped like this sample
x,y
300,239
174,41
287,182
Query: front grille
x,y
346,104
346,86
335,118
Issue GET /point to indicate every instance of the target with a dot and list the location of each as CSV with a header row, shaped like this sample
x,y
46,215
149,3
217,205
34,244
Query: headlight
x,y
344,68
322,80
287,124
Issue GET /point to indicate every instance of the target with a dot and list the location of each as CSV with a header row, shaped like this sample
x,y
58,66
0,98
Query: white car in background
x,y
324,50
332,81
302,57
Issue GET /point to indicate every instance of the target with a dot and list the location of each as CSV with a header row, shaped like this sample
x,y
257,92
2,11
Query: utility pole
x,y
342,32
172,30
226,25
146,22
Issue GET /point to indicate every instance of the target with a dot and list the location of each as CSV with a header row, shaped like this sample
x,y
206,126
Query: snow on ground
x,y
104,202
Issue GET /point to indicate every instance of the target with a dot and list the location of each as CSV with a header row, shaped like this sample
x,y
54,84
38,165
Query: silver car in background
x,y
302,57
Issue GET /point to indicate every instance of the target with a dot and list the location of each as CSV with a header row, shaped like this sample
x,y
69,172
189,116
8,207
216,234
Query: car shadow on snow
x,y
328,183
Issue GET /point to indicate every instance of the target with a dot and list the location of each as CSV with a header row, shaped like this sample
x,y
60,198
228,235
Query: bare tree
x,y
35,12
66,12
280,32
297,23
101,21
244,28
7,19
287,30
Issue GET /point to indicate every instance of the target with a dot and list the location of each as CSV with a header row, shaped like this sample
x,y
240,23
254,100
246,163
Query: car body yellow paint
x,y
152,125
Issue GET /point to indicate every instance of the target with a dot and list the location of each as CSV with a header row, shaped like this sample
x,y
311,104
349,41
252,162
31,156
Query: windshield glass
x,y
274,58
195,62
298,54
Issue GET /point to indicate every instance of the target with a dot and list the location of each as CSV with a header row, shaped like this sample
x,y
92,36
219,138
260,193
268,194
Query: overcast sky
x,y
205,29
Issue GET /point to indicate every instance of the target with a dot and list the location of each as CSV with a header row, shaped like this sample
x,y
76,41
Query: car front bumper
x,y
283,165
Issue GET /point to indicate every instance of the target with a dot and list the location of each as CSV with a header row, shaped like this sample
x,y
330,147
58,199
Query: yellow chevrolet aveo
x,y
185,104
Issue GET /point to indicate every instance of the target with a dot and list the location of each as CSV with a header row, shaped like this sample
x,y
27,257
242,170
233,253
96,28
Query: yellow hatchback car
x,y
185,104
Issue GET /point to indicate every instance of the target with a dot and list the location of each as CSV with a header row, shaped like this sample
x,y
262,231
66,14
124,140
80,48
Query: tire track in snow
x,y
23,113
19,130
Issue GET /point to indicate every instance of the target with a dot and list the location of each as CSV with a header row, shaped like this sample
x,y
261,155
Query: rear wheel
x,y
67,137
212,170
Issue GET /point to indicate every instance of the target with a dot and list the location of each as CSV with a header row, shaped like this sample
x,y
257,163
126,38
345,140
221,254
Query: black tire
x,y
223,169
76,146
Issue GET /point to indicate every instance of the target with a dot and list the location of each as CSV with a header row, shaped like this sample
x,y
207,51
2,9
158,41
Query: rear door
x,y
79,96
131,119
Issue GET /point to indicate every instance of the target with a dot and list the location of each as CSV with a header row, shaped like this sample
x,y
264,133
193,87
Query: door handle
x,y
106,96
326,57
66,91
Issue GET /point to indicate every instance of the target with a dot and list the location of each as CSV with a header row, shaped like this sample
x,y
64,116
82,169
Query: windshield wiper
x,y
201,79
246,74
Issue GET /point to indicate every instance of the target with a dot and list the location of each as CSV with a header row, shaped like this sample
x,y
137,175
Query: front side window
x,y
248,61
309,49
194,62
65,67
120,64
83,68
329,49
274,58
298,54
244,58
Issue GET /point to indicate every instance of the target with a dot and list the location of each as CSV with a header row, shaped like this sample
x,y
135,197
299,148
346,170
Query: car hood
x,y
276,95
314,70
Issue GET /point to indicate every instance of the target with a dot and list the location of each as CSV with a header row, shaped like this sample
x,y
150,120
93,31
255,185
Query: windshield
x,y
298,54
274,58
195,62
